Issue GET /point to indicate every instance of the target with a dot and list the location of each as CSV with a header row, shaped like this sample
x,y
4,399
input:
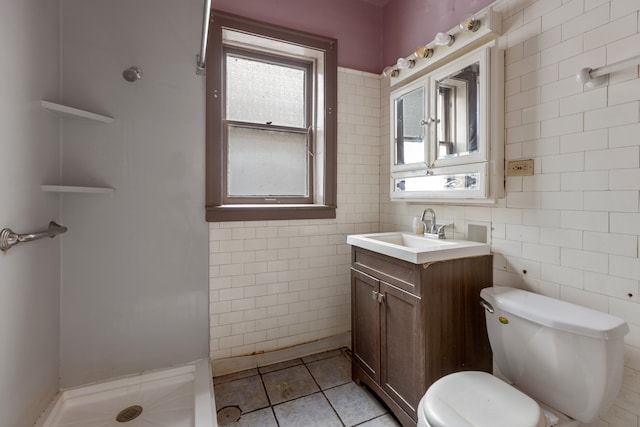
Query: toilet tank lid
x,y
555,313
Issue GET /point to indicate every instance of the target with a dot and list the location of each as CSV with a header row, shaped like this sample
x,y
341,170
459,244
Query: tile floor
x,y
312,391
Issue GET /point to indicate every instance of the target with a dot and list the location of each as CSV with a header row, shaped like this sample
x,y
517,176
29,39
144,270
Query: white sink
x,y
416,248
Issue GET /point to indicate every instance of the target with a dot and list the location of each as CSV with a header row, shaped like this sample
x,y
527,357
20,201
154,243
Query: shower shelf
x,y
74,113
64,111
76,189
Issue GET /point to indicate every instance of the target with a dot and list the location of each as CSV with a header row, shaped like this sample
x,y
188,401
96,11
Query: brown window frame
x,y
218,206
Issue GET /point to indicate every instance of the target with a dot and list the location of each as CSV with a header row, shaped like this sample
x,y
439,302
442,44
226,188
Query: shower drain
x,y
129,414
228,415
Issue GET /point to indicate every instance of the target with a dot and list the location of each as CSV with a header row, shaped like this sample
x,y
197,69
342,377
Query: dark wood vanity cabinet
x,y
412,324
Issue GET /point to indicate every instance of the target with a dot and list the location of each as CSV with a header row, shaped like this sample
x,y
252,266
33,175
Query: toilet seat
x,y
478,399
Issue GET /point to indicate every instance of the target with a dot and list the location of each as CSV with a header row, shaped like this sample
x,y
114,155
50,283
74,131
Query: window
x,y
267,129
271,122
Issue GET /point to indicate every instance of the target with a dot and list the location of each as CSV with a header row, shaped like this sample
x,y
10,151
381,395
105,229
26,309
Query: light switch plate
x,y
520,167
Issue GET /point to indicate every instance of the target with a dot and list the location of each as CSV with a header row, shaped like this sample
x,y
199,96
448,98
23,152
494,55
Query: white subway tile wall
x,y
571,230
276,284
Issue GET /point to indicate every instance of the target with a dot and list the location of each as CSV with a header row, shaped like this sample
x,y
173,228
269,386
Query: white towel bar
x,y
593,78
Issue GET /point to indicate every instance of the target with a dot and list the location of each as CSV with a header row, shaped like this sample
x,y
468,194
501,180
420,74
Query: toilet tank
x,y
566,356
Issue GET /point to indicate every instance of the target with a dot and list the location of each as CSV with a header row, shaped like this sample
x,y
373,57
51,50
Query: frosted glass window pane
x,y
261,92
413,106
266,163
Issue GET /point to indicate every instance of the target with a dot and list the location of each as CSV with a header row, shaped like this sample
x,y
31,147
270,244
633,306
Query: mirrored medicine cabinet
x,y
446,132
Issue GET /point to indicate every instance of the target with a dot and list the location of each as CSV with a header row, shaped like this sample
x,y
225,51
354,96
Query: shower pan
x,y
177,397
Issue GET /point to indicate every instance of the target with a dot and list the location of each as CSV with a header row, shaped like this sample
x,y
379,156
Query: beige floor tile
x,y
288,384
308,411
331,372
383,421
263,418
354,404
246,393
313,391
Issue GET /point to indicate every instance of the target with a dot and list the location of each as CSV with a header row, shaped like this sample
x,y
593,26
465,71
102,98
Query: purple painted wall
x,y
356,24
370,37
408,24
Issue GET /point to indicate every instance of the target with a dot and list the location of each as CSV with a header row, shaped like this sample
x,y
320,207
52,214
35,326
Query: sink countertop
x,y
416,248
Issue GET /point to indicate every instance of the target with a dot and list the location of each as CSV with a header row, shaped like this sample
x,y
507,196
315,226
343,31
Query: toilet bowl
x,y
535,341
472,399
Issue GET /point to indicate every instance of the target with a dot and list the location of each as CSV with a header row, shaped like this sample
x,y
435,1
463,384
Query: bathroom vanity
x,y
413,323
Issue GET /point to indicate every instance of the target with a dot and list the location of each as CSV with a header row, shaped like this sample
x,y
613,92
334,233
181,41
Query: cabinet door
x,y
365,322
460,109
402,375
409,145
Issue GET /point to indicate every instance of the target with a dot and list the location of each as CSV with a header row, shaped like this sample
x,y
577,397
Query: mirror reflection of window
x,y
409,128
447,118
458,113
449,182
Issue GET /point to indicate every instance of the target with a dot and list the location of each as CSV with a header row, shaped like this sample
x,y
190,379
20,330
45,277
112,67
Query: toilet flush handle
x,y
486,305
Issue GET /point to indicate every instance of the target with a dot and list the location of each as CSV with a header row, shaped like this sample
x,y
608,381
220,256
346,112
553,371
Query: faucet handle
x,y
430,228
440,230
437,232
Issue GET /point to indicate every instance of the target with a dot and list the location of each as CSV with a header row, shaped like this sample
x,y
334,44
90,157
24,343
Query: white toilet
x,y
564,363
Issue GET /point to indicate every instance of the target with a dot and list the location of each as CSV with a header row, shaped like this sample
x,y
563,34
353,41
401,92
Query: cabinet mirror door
x,y
458,130
409,141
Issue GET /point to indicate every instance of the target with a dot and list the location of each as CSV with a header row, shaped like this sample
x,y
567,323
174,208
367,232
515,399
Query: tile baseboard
x,y
231,365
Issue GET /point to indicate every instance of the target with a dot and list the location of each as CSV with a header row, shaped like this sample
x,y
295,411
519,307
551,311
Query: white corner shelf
x,y
64,111
76,189
74,113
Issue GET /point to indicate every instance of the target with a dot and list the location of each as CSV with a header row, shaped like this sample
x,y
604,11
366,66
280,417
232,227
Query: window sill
x,y
226,213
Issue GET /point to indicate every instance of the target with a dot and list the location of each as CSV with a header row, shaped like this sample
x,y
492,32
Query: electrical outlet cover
x,y
520,167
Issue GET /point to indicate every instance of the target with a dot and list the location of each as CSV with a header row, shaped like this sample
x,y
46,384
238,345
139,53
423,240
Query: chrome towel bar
x,y
8,238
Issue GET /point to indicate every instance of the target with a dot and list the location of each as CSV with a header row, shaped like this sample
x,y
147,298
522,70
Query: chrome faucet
x,y
432,228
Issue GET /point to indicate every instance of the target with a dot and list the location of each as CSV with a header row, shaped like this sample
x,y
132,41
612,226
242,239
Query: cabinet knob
x,y
377,296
